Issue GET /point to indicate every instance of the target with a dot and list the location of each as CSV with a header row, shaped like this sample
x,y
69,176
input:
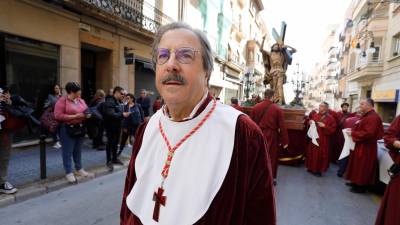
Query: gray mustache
x,y
174,77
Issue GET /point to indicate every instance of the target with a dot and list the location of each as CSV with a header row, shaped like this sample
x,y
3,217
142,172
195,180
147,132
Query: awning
x,y
391,95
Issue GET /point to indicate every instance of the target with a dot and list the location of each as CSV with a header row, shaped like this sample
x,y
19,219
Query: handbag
x,y
48,121
76,130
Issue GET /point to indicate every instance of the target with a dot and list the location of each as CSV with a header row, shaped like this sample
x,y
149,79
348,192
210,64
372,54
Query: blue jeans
x,y
71,147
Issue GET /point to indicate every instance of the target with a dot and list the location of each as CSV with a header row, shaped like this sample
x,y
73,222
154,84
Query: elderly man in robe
x,y
317,156
196,161
362,165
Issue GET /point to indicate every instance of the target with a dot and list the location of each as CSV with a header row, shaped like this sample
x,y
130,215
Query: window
x,y
396,45
375,55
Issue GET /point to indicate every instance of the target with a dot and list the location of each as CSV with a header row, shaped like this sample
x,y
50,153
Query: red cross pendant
x,y
159,200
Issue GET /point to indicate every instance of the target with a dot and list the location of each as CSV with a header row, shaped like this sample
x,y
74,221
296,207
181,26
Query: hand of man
x,y
285,146
396,144
126,114
321,124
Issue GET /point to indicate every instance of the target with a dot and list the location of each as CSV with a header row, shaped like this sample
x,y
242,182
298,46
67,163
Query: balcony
x,y
136,15
368,71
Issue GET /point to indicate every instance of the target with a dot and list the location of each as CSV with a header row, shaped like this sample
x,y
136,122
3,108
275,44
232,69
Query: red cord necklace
x,y
158,197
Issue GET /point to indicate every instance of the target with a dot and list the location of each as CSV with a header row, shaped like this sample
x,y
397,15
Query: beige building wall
x,y
47,23
43,23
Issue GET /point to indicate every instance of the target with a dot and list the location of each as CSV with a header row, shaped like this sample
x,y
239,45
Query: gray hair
x,y
370,101
206,51
326,104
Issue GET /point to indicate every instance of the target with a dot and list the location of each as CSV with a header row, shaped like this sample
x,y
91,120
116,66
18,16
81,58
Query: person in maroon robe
x,y
235,104
338,138
348,123
269,117
388,213
317,157
183,61
362,166
332,140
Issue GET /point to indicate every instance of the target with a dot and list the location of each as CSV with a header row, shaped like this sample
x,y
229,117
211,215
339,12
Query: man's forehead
x,y
178,38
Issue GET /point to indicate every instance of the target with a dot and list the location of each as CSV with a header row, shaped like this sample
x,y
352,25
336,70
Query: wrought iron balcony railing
x,y
137,13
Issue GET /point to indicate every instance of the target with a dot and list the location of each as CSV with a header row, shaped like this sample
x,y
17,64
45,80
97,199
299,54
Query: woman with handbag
x,y
70,112
47,120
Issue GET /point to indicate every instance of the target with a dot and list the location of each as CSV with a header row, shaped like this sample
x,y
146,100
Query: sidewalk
x,y
24,165
24,170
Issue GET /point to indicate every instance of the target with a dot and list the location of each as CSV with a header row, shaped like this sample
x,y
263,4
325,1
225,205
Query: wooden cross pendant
x,y
159,200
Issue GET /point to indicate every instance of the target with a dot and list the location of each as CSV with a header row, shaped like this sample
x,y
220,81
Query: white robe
x,y
197,171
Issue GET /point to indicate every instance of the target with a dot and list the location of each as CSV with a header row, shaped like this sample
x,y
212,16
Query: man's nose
x,y
172,64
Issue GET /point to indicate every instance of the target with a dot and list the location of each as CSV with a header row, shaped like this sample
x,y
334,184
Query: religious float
x,y
276,62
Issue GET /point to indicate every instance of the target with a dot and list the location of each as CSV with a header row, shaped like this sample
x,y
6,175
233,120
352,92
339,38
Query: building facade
x,y
367,49
323,83
99,44
373,63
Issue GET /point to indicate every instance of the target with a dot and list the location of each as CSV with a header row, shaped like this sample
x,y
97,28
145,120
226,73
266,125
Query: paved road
x,y
302,199
95,202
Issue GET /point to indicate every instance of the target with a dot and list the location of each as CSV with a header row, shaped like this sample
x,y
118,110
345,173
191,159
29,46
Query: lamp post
x,y
248,81
299,84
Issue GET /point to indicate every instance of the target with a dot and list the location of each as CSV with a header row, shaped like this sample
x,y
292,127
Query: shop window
x,y
30,69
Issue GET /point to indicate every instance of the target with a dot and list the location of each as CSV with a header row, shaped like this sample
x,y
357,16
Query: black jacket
x,y
111,110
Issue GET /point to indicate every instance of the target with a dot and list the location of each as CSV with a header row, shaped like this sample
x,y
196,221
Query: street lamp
x,y
299,83
248,82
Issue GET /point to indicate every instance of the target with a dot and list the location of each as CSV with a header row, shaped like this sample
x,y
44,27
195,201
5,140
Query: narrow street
x,y
302,199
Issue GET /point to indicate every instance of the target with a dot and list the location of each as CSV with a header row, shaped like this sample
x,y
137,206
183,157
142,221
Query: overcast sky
x,y
307,26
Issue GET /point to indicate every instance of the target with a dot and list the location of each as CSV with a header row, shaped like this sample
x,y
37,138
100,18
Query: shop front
x,y
386,103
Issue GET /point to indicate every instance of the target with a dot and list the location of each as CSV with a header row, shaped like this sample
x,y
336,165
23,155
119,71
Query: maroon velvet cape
x,y
338,138
363,161
389,212
273,127
246,196
317,157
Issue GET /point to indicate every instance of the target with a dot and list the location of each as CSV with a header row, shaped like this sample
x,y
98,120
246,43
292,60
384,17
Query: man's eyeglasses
x,y
182,55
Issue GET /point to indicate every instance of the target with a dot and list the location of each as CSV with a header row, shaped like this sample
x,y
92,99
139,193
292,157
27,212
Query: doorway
x,y
145,79
96,70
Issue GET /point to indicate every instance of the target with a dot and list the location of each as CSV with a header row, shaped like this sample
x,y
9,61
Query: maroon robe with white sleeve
x,y
338,138
363,163
246,195
389,212
317,157
273,127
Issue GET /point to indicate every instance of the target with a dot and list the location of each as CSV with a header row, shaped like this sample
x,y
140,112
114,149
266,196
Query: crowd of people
x,y
67,119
